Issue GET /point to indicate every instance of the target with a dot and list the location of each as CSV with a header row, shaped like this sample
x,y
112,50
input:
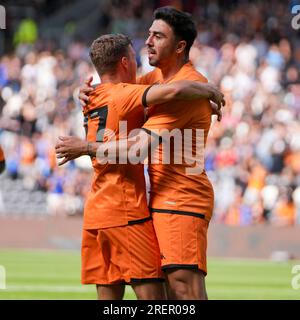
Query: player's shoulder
x,y
102,88
123,90
100,96
190,73
199,76
121,93
150,77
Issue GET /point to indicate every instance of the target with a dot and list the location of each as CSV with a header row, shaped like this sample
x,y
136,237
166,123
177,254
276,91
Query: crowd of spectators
x,y
252,157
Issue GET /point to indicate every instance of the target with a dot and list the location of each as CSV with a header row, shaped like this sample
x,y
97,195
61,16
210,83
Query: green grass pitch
x,y
33,274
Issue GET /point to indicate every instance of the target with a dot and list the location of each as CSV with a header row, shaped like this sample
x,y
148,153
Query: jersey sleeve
x,y
130,99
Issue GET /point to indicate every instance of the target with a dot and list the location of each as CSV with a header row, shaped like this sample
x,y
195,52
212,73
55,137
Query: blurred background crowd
x,y
248,48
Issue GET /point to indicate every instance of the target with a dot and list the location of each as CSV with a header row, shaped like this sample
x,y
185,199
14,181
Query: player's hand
x,y
85,90
69,148
216,95
216,110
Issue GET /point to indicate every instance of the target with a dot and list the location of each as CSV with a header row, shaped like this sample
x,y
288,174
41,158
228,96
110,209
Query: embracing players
x,y
119,243
181,204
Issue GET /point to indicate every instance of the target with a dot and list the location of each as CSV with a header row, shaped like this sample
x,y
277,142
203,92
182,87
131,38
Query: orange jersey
x,y
117,196
172,189
1,155
151,77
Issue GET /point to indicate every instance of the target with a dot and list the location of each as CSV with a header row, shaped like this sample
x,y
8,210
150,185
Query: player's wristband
x,y
89,151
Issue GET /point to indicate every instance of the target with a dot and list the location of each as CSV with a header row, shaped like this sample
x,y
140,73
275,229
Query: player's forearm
x,y
179,90
107,148
91,148
190,90
162,93
136,146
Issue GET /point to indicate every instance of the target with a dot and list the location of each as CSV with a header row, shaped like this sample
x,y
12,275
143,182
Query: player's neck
x,y
170,69
111,78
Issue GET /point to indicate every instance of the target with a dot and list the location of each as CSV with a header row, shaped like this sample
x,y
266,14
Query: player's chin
x,y
153,62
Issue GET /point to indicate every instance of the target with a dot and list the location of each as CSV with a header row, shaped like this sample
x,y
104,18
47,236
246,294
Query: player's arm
x,y
69,148
137,145
184,90
179,90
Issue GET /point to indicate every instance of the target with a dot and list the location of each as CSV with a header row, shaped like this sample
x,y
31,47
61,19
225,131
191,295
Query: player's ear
x,y
181,46
125,62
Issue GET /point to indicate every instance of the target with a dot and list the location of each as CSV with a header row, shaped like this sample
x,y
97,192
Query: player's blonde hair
x,y
107,50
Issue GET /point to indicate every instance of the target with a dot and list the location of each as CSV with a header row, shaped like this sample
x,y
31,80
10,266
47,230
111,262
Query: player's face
x,y
161,43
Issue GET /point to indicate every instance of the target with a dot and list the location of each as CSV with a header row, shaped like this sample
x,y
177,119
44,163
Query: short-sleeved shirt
x,y
172,189
1,155
117,196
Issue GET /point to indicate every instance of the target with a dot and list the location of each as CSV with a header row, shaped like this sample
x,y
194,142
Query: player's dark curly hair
x,y
107,50
181,22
